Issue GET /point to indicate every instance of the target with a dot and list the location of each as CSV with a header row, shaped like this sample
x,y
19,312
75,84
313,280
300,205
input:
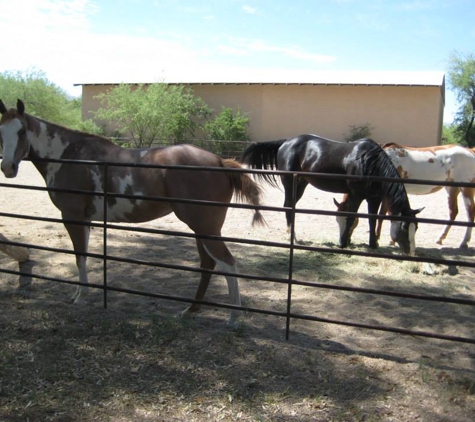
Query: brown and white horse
x,y
23,136
444,163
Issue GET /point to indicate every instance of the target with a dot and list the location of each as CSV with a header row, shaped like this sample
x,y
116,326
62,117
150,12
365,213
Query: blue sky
x,y
75,41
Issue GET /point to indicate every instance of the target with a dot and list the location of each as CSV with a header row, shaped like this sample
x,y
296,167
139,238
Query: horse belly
x,y
123,210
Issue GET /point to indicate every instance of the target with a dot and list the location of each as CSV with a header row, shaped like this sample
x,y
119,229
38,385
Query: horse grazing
x,y
442,163
23,135
314,154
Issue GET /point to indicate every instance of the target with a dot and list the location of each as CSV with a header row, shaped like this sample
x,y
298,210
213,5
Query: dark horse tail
x,y
263,156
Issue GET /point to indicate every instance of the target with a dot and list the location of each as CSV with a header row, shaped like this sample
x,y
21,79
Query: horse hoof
x,y
464,246
189,311
77,301
186,313
24,284
234,324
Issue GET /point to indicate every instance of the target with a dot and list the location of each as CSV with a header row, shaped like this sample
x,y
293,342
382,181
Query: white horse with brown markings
x,y
442,163
25,136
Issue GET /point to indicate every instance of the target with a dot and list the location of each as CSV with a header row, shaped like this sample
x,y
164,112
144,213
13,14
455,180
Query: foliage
x,y
89,126
449,135
358,132
153,112
228,126
43,99
462,81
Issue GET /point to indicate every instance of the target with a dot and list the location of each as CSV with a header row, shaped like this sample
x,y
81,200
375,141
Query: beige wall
x,y
411,115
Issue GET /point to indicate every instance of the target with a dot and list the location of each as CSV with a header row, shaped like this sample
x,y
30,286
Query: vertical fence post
x,y
291,255
104,236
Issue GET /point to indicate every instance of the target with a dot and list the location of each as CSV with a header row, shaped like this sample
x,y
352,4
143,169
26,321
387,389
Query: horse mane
x,y
33,120
391,145
376,163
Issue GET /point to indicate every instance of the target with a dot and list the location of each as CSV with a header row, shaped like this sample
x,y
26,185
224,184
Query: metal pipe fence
x,y
289,247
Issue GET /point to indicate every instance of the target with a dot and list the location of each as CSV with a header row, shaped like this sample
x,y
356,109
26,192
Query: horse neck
x,y
45,139
45,142
397,199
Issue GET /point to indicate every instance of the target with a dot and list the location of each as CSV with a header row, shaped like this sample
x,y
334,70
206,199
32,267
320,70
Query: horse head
x,y
404,232
13,138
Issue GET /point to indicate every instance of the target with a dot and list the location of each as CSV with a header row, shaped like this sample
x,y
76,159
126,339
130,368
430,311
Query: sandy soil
x,y
397,355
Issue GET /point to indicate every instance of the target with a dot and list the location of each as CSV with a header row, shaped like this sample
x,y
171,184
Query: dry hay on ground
x,y
136,362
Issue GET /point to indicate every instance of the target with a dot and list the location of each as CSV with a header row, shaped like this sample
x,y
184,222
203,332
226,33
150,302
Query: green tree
x,y
42,97
462,81
228,126
153,112
449,135
358,132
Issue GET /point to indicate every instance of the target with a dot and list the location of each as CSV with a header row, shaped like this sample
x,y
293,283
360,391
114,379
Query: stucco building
x,y
404,107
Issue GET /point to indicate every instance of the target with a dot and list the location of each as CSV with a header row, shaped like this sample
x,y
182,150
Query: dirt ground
x,y
323,372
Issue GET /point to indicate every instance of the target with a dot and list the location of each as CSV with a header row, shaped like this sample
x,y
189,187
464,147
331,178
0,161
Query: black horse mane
x,y
376,163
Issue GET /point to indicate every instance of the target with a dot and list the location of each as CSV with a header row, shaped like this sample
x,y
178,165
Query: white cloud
x,y
289,51
416,5
55,37
43,15
249,9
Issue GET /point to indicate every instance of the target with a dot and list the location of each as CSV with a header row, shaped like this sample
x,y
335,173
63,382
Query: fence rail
x,y
289,246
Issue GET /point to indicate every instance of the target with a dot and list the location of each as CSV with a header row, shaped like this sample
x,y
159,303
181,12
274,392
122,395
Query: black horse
x,y
314,154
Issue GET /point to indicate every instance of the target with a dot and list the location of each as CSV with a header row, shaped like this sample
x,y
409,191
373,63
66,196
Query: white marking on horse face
x,y
341,223
9,134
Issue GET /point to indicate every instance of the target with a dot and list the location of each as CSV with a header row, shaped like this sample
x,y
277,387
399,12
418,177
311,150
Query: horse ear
x,y
336,202
20,107
3,109
415,212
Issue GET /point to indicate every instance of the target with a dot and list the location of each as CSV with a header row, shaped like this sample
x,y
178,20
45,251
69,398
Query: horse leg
x,y
80,238
218,253
347,229
373,207
467,194
379,224
288,183
452,196
207,263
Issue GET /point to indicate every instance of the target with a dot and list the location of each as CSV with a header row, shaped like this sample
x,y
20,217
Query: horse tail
x,y
245,189
263,156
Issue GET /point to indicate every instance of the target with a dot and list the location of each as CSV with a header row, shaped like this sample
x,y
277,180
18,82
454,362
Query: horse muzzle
x,y
10,170
343,243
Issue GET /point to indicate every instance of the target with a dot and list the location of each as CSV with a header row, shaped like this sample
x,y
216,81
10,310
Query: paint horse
x,y
444,163
314,154
25,136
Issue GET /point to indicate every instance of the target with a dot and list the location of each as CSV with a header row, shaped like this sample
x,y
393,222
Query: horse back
x,y
438,163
